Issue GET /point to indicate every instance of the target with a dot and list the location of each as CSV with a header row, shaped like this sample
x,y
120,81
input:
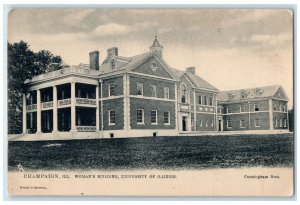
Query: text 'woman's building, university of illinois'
x,y
142,96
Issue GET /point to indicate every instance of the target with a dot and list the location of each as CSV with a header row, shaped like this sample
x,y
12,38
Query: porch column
x,y
73,107
24,114
97,109
54,108
271,114
38,111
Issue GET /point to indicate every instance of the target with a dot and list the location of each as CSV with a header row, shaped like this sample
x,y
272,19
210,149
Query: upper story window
x,y
243,108
111,89
210,101
200,99
183,93
166,92
228,109
275,106
219,110
276,122
256,107
283,108
280,122
153,91
205,100
139,88
280,107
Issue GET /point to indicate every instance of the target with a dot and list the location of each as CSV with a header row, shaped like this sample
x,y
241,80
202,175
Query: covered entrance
x,y
220,125
184,123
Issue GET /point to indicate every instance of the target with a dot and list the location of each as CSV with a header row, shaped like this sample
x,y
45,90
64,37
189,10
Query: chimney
x,y
112,52
191,70
94,60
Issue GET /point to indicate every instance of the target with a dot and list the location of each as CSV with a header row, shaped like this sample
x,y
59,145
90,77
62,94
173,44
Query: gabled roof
x,y
199,82
250,93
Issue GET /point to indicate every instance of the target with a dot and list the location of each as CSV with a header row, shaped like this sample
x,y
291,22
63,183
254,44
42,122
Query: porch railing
x,y
85,101
47,104
64,102
31,107
74,69
86,128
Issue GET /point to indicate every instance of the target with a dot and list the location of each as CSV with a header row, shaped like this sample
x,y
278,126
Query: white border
x,y
132,3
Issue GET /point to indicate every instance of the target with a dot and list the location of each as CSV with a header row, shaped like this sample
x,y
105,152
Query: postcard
x,y
150,102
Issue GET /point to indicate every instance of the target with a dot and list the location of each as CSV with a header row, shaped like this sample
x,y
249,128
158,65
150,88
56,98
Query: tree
x,y
24,64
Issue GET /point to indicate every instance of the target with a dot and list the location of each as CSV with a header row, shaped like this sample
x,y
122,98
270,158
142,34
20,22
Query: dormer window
x,y
230,96
258,92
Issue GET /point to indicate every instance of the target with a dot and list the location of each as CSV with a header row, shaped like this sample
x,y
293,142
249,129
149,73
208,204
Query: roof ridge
x,y
252,88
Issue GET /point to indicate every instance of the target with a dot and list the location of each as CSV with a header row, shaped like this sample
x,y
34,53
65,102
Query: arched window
x,y
183,93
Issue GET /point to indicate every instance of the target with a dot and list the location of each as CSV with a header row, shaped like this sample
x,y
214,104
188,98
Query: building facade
x,y
142,96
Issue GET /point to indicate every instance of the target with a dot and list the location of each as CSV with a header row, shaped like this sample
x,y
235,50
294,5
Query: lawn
x,y
154,153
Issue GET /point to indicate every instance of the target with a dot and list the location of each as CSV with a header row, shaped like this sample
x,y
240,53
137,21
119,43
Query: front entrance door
x,y
220,126
184,128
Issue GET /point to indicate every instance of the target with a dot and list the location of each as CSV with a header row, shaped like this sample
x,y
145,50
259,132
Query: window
x,y
183,93
111,88
285,122
256,122
276,122
153,91
256,107
200,99
229,123
242,108
228,109
210,101
212,123
283,108
140,116
206,124
139,88
166,92
280,122
111,117
243,95
275,107
280,107
153,115
201,123
192,122
219,110
205,100
242,123
166,118
257,92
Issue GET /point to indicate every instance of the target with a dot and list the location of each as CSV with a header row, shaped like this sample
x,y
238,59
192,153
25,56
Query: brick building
x,y
141,96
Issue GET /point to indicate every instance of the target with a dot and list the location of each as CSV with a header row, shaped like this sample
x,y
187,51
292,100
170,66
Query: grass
x,y
154,153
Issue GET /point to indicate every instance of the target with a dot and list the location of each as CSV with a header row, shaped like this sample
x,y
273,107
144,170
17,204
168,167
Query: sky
x,y
230,48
